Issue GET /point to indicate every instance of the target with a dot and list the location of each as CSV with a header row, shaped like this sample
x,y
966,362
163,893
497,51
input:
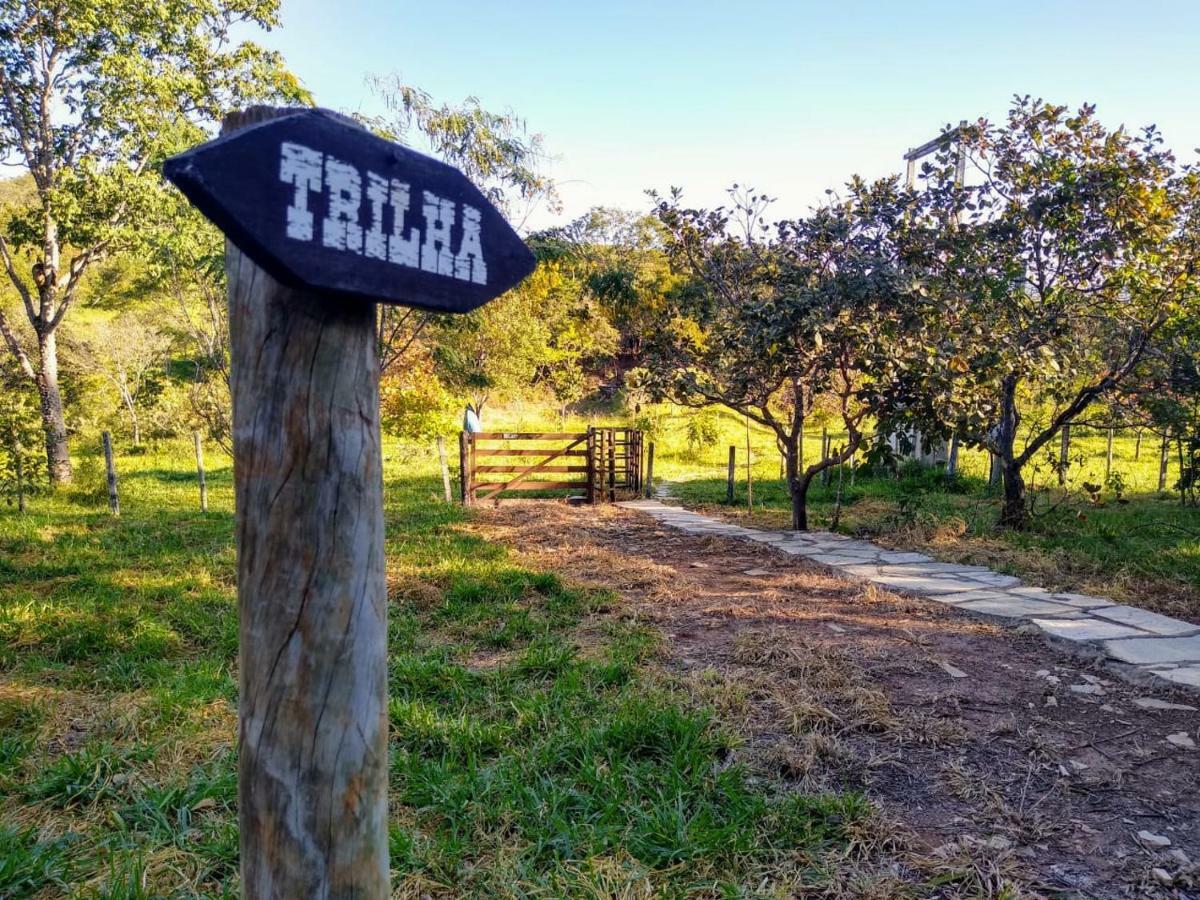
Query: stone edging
x,y
1152,646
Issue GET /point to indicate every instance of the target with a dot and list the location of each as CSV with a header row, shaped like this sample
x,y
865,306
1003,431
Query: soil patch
x,y
1005,763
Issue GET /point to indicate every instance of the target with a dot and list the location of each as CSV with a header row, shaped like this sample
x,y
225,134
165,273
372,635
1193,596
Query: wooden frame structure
x,y
599,463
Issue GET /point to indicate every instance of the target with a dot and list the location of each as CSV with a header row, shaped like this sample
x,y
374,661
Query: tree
x,y
20,466
1048,279
770,321
129,355
493,149
93,94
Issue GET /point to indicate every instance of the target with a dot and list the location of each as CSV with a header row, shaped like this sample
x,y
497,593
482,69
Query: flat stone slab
x,y
924,584
861,570
995,580
976,594
837,560
926,569
896,556
763,537
1145,620
1149,651
1010,607
1187,675
1083,601
1085,629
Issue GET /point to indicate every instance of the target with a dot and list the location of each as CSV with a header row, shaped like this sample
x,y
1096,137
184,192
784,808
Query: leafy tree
x,y
93,93
493,149
618,256
769,322
1049,277
129,355
20,465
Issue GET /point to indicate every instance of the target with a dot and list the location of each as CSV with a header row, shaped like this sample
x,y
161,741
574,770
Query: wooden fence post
x,y
114,502
827,471
951,459
1108,456
612,464
1162,463
729,478
591,466
441,448
749,472
200,471
650,469
18,454
463,474
312,603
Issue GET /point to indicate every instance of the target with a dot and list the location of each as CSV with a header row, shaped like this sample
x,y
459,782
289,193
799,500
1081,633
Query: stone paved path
x,y
1147,644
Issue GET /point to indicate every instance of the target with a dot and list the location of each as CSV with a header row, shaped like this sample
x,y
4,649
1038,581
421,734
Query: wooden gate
x,y
592,465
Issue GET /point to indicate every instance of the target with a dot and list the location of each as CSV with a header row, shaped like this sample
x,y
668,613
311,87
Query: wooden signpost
x,y
323,219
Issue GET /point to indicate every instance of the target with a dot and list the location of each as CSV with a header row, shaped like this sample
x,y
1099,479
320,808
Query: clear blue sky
x,y
790,98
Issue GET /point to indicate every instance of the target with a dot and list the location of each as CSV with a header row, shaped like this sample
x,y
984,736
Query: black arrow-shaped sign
x,y
319,202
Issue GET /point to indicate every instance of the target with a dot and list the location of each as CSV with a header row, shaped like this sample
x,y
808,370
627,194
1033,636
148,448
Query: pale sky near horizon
x,y
790,98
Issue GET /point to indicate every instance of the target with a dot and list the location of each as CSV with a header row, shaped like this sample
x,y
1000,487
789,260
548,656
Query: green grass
x,y
537,746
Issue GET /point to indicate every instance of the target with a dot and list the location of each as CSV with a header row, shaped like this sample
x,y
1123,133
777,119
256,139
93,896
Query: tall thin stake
x,y
200,471
114,502
749,474
441,448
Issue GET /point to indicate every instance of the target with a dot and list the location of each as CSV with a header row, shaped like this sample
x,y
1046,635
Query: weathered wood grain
x,y
312,774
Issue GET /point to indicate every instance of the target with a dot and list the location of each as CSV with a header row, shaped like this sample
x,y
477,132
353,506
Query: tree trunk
x,y
1014,513
58,460
797,483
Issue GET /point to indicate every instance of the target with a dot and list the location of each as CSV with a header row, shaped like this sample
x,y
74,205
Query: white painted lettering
x,y
375,238
343,186
436,255
404,251
300,167
469,264
431,249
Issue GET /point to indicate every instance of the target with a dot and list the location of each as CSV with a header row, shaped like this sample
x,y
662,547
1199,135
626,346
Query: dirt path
x,y
1002,760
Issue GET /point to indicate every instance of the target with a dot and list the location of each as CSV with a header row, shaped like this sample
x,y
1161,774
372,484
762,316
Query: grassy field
x,y
538,746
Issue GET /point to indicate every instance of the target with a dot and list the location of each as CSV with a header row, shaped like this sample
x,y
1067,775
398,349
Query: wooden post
x,y
1162,463
18,458
200,471
591,466
826,472
464,472
650,469
114,502
729,478
749,473
441,448
951,459
1137,446
312,603
1064,454
1108,456
612,465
